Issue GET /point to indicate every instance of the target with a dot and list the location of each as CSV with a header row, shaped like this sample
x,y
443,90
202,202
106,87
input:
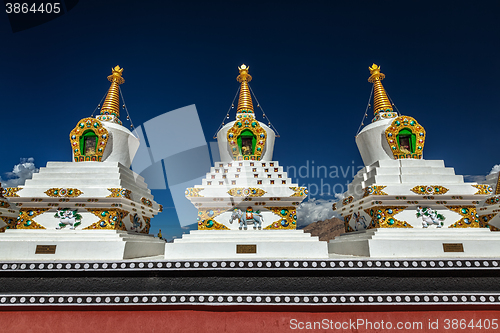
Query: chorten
x,y
92,207
402,203
246,198
8,212
489,208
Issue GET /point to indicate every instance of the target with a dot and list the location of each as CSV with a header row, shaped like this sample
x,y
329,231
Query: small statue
x,y
68,217
430,217
246,150
136,223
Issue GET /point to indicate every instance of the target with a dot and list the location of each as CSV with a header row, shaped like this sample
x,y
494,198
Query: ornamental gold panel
x,y
485,219
493,200
483,189
470,217
147,202
374,190
288,218
405,123
383,217
234,132
348,200
246,192
26,218
299,191
206,219
100,133
147,221
10,221
63,192
110,219
429,190
193,192
119,193
11,192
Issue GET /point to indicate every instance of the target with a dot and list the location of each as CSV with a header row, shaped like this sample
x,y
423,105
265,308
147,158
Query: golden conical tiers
x,y
111,105
245,105
497,190
381,102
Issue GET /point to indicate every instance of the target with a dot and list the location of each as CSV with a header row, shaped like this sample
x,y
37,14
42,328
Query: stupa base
x,y
16,244
246,244
418,243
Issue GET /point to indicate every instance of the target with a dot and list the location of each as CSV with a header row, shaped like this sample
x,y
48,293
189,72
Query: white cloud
x,y
314,210
495,169
22,171
475,179
480,178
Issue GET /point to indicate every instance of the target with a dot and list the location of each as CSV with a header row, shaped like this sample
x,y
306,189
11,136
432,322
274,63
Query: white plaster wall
x,y
122,145
410,216
372,143
48,220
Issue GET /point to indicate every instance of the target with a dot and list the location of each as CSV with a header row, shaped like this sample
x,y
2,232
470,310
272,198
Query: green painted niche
x,y
407,139
247,139
88,143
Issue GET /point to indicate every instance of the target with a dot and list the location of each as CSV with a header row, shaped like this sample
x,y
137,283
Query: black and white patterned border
x,y
326,264
251,299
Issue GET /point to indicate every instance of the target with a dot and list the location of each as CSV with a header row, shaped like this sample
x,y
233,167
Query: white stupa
x,y
489,208
8,212
94,207
247,205
401,204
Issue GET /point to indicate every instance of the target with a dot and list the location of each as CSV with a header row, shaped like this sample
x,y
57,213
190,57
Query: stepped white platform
x,y
21,244
262,185
489,208
389,193
96,187
268,244
418,243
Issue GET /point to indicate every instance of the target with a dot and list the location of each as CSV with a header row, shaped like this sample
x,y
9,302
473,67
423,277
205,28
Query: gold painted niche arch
x,y
88,140
406,137
246,139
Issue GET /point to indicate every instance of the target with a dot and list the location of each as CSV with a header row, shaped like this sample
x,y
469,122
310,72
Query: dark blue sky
x,y
309,61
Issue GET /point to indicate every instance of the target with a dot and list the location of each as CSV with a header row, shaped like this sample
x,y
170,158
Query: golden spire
x,y
111,104
380,100
497,190
245,104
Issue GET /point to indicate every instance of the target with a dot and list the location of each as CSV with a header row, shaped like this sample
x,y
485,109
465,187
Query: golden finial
x,y
380,100
375,72
245,105
244,76
116,75
111,105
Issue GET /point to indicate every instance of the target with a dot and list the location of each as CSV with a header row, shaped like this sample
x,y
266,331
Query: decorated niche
x,y
88,140
406,137
246,139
